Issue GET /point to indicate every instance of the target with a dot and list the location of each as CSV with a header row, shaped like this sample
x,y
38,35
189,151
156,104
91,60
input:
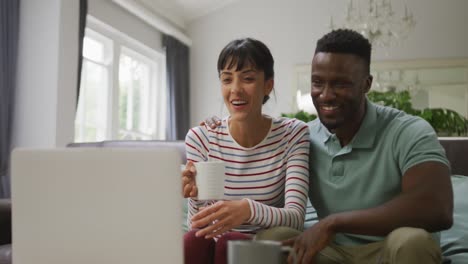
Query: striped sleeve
x,y
196,144
197,148
296,185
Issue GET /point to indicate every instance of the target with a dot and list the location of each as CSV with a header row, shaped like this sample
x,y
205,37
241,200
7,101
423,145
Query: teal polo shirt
x,y
368,171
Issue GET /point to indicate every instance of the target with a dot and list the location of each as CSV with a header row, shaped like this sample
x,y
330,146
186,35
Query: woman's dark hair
x,y
244,51
240,52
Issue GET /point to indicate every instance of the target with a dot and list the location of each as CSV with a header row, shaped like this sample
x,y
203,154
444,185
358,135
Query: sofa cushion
x,y
454,242
5,254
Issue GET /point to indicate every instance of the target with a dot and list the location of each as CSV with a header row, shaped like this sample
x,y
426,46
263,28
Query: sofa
x,y
454,242
5,231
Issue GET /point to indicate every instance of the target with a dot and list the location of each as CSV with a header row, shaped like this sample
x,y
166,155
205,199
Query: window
x,y
122,93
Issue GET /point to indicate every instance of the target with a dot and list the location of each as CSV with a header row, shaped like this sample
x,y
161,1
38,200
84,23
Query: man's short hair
x,y
345,41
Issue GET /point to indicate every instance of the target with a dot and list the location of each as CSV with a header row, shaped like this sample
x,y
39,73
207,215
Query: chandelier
x,y
376,20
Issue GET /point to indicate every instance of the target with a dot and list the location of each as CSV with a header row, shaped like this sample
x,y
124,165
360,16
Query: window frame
x,y
124,44
106,63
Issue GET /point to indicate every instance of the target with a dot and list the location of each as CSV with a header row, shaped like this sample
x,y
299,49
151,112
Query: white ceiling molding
x,y
210,6
153,20
168,9
182,12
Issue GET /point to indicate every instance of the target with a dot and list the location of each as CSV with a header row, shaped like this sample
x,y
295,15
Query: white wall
x,y
291,28
46,74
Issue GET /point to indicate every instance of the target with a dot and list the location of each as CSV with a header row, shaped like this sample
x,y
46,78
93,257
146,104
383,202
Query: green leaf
x,y
445,122
301,115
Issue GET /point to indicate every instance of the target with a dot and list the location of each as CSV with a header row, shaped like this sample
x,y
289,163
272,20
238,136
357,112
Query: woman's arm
x,y
296,186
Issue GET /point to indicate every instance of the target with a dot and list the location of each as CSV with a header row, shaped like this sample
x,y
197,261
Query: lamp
x,y
376,20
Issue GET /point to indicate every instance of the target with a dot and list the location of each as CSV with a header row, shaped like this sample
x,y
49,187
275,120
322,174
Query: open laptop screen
x,y
96,206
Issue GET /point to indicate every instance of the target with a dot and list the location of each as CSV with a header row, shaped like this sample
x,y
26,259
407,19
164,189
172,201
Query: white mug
x,y
209,179
258,252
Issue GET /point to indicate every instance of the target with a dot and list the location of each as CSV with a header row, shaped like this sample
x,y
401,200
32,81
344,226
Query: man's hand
x,y
212,122
189,189
308,244
221,217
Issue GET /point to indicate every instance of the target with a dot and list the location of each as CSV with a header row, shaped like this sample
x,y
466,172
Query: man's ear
x,y
368,83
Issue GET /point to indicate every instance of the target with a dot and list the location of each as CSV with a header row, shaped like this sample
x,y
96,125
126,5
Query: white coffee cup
x,y
210,180
258,252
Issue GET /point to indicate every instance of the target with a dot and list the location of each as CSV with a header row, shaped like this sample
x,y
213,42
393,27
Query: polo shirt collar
x,y
323,133
365,136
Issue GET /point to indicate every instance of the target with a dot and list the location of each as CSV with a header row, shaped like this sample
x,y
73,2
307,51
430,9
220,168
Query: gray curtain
x,y
9,29
177,66
81,34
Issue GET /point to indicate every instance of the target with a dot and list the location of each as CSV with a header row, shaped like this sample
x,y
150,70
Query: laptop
x,y
96,206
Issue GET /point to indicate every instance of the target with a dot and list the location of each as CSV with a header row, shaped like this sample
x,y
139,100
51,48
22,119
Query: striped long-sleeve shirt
x,y
273,176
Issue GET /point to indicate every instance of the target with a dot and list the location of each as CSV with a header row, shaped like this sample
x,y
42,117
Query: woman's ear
x,y
269,84
268,87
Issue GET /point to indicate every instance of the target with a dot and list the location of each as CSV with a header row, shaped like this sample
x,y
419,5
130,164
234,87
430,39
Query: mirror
x,y
436,83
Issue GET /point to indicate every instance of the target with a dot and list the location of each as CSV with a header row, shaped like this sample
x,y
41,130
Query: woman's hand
x,y
189,188
221,217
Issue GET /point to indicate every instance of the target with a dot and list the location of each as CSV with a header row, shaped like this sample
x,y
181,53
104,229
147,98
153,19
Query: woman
x,y
266,160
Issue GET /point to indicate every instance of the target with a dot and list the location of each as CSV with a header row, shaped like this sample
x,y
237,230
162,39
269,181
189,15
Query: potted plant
x,y
445,122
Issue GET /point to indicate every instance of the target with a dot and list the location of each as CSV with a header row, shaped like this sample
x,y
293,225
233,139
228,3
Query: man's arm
x,y
426,201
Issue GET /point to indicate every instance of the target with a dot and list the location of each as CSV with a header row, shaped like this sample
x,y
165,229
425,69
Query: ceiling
x,y
180,12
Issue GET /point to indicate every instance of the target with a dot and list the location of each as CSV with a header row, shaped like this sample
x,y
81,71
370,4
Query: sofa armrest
x,y
5,221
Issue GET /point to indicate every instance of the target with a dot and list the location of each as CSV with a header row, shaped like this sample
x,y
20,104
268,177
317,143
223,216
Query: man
x,y
379,178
